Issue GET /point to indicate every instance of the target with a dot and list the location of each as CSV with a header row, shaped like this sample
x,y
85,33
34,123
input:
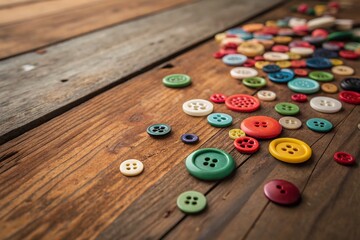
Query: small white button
x,y
131,167
198,107
294,22
276,56
266,95
321,22
302,51
243,72
290,122
325,104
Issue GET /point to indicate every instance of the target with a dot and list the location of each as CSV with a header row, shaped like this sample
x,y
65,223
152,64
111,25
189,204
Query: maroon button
x,y
300,72
344,158
218,98
299,97
249,63
349,54
280,48
350,97
246,145
282,192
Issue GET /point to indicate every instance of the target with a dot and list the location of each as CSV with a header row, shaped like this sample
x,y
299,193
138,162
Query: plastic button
x,y
290,123
251,49
287,108
304,85
189,138
324,53
275,56
290,150
271,68
344,158
280,48
283,64
262,127
246,145
325,104
210,164
158,130
321,76
177,80
254,82
349,54
285,75
302,51
218,98
336,62
266,95
219,120
318,63
329,88
243,72
191,202
299,97
242,103
236,133
300,72
319,125
282,192
350,97
234,59
131,167
343,70
198,107
352,84
261,64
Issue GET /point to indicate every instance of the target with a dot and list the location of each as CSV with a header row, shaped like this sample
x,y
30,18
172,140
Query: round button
x,y
325,104
321,76
336,62
349,54
283,64
290,150
266,95
318,63
198,107
290,123
285,75
218,98
300,72
261,64
350,97
294,56
352,84
352,46
275,56
191,202
304,85
249,63
246,145
243,72
302,51
262,127
298,63
251,49
158,130
271,68
299,97
343,70
131,167
242,103
210,164
234,59
252,27
177,80
280,48
189,138
219,120
344,158
319,125
236,133
287,108
329,88
324,53
254,82
282,192
330,46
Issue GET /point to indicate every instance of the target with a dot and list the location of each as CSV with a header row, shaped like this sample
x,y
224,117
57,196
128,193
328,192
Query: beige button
x,y
131,167
243,72
219,37
276,56
329,88
267,43
302,51
321,22
251,49
343,70
266,95
293,56
290,122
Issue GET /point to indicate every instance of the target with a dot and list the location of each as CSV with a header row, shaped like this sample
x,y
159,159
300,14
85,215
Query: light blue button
x,y
282,76
219,120
263,36
234,59
319,125
235,31
304,85
245,35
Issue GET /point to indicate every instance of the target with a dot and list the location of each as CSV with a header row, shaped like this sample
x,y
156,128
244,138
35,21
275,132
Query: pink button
x,y
282,192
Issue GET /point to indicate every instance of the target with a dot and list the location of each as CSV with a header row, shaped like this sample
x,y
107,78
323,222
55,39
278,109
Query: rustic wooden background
x,y
66,126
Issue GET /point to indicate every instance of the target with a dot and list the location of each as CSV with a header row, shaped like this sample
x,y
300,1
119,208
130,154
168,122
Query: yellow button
x,y
329,88
261,64
253,27
282,39
283,64
293,56
336,62
236,133
271,23
219,37
251,49
267,43
290,150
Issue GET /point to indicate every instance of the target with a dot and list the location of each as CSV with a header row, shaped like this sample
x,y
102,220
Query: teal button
x,y
219,120
158,130
210,164
191,202
319,125
304,85
287,109
177,80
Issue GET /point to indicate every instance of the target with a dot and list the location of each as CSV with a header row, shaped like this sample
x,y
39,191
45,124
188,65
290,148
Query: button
x,y
218,98
234,59
191,202
177,80
282,192
189,138
304,85
352,84
271,68
283,64
293,56
290,150
242,103
285,75
275,56
262,127
299,97
352,46
324,53
282,39
266,95
321,22
350,97
329,88
290,123
298,63
285,108
254,82
302,51
252,27
251,49
319,125
325,104
294,21
330,46
270,30
246,145
342,70
321,76
344,158
261,64
210,164
280,48
314,40
158,130
131,167
349,54
249,63
198,107
298,43
300,72
336,62
219,120
243,72
236,133
318,63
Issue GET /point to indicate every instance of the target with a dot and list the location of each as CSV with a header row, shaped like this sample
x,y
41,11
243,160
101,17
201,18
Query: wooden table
x,y
80,81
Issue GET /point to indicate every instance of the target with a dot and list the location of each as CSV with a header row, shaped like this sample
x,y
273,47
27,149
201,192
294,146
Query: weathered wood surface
x,y
78,69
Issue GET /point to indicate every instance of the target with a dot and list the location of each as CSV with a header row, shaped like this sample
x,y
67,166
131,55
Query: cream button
x,y
302,51
325,104
243,72
294,22
321,22
266,95
198,107
290,122
131,167
276,56
343,70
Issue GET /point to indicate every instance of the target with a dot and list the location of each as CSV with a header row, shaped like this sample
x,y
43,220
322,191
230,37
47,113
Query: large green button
x,y
219,120
210,164
191,202
321,76
287,108
254,82
319,125
177,80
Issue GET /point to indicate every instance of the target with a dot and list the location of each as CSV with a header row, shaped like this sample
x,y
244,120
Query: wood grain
x,y
78,69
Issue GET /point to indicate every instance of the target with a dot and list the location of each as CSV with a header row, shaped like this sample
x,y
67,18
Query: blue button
x,y
314,40
189,138
263,36
282,76
234,59
324,53
304,85
235,31
245,35
318,63
319,125
219,120
271,68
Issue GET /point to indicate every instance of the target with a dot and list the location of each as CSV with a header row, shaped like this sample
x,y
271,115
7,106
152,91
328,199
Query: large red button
x,y
350,97
299,97
218,98
261,127
349,54
344,158
242,103
282,192
246,144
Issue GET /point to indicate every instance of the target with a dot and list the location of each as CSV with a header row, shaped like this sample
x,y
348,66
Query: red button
x,y
259,58
299,97
349,54
282,192
344,158
320,33
218,98
231,45
337,43
301,72
280,48
270,30
302,28
249,63
350,97
261,127
298,63
242,103
246,145
223,52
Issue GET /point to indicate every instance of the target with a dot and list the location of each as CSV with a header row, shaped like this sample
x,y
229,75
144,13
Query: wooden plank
x,y
71,71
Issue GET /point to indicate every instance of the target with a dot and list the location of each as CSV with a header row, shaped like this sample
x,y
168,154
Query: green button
x,y
321,76
352,46
340,36
254,82
210,164
177,80
191,202
219,120
319,125
287,108
158,130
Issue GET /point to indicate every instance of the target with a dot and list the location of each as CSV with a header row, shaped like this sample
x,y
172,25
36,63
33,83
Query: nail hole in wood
x,y
64,80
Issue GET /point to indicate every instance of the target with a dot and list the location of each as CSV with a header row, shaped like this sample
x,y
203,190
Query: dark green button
x,y
191,202
210,164
321,76
285,108
158,130
254,82
340,36
319,125
219,120
177,80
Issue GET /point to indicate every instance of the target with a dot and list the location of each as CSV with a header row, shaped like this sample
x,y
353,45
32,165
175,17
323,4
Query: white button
x,y
275,56
290,122
343,70
293,22
321,22
243,72
131,167
198,107
231,40
302,51
266,95
325,104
